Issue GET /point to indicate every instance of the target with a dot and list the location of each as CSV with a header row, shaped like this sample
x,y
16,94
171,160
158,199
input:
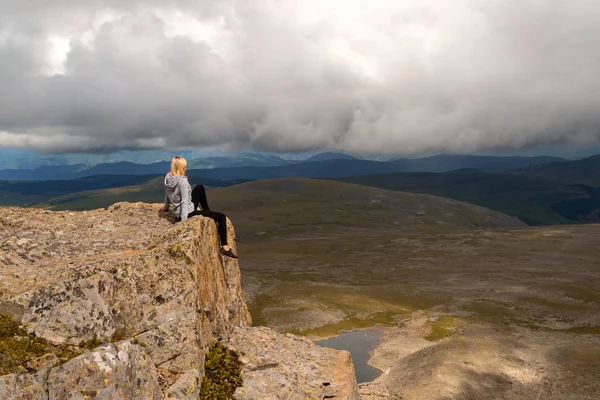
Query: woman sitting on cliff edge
x,y
179,193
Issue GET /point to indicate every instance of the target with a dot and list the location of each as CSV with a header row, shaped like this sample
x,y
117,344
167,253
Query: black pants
x,y
199,197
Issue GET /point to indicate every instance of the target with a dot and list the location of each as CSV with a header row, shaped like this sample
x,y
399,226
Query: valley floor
x,y
469,314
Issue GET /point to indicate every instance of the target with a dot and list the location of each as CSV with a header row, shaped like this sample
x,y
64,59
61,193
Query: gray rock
x,y
120,273
187,387
128,272
115,371
24,386
278,367
73,311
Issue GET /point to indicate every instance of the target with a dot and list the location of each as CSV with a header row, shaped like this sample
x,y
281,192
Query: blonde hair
x,y
178,166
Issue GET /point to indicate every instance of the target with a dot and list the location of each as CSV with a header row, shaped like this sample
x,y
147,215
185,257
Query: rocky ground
x,y
123,304
483,361
319,373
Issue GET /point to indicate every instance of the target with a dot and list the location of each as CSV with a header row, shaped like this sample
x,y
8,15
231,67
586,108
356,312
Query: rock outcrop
x,y
291,367
156,294
119,371
125,272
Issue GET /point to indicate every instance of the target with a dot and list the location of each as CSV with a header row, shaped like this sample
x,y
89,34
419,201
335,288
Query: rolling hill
x,y
585,171
313,206
298,204
27,193
151,191
23,193
535,200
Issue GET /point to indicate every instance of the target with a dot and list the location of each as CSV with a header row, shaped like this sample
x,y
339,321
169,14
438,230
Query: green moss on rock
x,y
223,373
92,343
18,348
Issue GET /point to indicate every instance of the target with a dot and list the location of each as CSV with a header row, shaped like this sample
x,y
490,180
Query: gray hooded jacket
x,y
178,192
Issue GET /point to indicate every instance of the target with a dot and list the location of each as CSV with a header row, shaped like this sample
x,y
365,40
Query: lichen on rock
x,y
119,371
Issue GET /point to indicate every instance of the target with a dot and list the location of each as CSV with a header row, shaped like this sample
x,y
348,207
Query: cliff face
x,y
127,272
154,293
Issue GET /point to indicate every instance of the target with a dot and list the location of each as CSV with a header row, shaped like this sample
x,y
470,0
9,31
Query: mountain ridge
x,y
251,167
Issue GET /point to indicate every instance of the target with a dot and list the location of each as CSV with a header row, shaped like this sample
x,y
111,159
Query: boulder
x,y
278,367
116,371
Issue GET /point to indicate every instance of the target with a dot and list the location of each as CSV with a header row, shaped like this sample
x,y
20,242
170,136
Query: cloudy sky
x,y
397,76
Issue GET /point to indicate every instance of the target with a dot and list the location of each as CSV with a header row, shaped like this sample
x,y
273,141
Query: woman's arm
x,y
167,203
181,186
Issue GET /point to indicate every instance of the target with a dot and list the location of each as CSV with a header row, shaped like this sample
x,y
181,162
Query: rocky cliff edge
x,y
150,297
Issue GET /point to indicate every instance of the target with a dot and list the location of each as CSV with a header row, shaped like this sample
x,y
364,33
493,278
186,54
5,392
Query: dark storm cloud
x,y
386,76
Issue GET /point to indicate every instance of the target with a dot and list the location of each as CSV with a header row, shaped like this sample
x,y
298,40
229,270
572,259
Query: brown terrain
x,y
473,304
471,308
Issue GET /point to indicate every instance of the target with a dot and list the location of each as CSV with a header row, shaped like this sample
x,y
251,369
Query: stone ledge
x,y
277,367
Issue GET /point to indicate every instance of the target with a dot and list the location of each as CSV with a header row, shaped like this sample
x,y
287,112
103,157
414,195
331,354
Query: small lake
x,y
359,344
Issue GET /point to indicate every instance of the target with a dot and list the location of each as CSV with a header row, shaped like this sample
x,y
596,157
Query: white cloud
x,y
364,76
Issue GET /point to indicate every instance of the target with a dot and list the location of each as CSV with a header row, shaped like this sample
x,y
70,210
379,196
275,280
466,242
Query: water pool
x,y
359,344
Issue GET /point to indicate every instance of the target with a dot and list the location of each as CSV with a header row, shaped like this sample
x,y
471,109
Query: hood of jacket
x,y
171,182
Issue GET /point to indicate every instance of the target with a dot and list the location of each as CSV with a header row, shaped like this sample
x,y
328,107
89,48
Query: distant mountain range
x,y
204,158
538,190
446,163
77,171
553,193
242,160
331,156
15,159
258,166
12,159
